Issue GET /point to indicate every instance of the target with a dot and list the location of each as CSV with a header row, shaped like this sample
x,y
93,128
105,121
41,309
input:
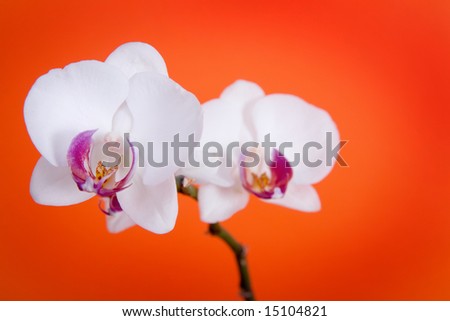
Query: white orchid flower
x,y
71,113
243,113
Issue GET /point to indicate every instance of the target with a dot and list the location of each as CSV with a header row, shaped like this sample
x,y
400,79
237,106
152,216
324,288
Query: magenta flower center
x,y
270,183
101,180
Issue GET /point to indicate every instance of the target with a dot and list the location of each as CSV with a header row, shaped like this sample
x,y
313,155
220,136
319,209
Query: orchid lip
x,y
102,180
110,205
271,184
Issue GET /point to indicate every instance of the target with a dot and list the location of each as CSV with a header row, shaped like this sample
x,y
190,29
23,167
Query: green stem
x,y
189,190
241,258
217,230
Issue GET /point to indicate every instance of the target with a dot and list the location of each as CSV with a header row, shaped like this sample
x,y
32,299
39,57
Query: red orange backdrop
x,y
381,68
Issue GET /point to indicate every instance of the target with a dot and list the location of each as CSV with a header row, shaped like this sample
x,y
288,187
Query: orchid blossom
x,y
243,113
71,113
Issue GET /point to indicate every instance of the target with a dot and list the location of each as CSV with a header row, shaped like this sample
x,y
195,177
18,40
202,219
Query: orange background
x,y
381,68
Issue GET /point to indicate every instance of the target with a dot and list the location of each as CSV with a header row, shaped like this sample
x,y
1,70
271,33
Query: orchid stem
x,y
216,229
189,190
241,258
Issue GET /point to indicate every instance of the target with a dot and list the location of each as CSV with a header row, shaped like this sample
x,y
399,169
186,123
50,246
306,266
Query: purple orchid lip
x,y
110,205
103,181
265,186
78,157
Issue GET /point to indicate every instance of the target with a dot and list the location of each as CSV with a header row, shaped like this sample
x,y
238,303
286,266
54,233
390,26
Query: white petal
x,y
242,92
118,222
154,208
220,203
134,57
224,122
52,185
222,176
299,197
222,133
122,121
224,117
65,102
290,119
162,109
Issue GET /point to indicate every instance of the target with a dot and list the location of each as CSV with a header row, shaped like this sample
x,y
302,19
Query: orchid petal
x,y
162,109
299,197
222,175
122,121
125,180
222,127
290,119
224,117
65,102
54,186
135,57
220,203
221,131
118,222
242,92
154,208
224,124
